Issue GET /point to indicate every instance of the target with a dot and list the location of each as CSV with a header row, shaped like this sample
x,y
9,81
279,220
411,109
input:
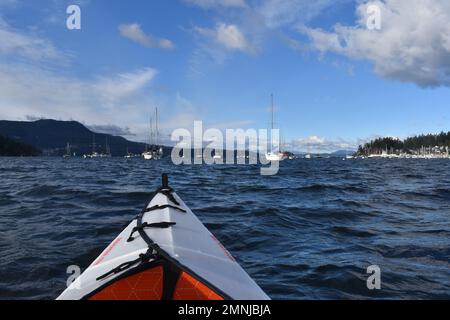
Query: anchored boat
x,y
165,253
156,151
67,155
274,154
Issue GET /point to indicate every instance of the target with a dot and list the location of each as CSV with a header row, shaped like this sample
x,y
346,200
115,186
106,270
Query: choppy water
x,y
308,233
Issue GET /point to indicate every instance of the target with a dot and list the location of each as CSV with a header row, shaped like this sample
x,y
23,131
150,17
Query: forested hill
x,y
409,145
52,136
11,148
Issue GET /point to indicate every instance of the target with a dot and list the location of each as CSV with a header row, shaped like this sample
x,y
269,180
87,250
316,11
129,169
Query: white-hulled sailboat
x,y
94,153
147,154
274,154
67,155
155,152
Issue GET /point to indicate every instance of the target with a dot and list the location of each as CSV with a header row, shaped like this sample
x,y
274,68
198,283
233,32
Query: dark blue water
x,y
308,233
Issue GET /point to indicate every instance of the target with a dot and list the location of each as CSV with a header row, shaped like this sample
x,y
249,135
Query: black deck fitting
x,y
165,181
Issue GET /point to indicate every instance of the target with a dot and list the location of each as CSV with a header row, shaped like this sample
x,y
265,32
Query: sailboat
x,y
107,154
156,151
274,154
67,155
148,155
129,155
94,153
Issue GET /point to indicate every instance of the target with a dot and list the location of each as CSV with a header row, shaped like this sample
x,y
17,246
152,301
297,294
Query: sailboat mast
x,y
107,148
156,122
271,97
272,123
151,131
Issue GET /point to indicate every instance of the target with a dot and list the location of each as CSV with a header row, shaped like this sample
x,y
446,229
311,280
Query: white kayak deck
x,y
188,242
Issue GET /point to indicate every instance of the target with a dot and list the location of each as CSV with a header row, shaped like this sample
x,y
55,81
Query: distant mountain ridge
x,y
52,136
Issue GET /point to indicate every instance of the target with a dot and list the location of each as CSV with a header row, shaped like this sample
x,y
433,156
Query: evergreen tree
x,y
12,148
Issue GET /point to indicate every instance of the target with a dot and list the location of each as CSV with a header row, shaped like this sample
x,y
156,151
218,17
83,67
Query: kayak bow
x,y
165,253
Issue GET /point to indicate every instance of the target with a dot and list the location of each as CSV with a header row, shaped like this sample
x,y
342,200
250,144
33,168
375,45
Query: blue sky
x,y
335,82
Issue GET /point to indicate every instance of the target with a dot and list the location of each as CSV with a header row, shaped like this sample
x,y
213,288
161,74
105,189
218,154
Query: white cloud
x,y
15,43
249,27
316,144
228,36
218,3
231,37
34,91
135,33
413,44
114,89
312,141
